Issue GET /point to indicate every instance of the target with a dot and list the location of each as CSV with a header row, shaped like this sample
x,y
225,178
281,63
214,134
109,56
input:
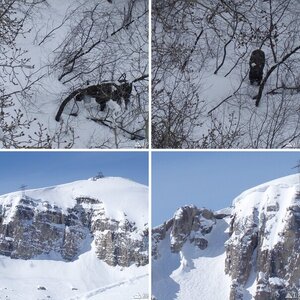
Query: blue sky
x,y
211,179
42,169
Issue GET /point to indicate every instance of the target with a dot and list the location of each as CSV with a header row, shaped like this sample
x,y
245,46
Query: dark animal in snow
x,y
102,93
256,63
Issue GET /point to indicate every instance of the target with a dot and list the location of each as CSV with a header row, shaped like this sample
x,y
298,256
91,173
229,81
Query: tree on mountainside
x,y
16,79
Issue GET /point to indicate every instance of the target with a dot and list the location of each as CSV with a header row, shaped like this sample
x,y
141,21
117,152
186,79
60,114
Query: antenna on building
x,y
98,176
23,189
298,168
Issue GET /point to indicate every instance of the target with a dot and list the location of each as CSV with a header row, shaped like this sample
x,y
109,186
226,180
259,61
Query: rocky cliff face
x,y
189,224
30,227
265,240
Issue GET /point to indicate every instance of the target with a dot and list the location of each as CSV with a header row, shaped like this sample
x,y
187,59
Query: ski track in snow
x,y
99,291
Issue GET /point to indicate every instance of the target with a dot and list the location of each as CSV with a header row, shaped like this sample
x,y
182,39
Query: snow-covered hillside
x,y
85,278
68,46
120,197
82,240
250,251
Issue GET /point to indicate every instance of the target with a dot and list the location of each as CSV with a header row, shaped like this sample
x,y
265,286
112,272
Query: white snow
x,y
277,281
290,180
267,205
200,274
193,273
118,195
213,74
226,210
125,52
271,199
85,278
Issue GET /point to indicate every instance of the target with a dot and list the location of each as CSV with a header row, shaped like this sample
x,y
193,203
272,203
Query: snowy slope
x,y
86,277
119,196
267,214
245,251
200,60
193,273
278,194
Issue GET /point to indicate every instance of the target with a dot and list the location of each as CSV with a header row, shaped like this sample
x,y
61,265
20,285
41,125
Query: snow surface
x,y
193,273
50,26
119,196
273,199
85,278
212,73
269,201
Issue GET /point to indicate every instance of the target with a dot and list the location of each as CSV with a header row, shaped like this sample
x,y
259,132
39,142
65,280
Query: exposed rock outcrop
x,y
32,228
189,224
265,239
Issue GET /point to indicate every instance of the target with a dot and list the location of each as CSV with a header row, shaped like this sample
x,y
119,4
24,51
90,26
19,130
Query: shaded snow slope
x,y
193,273
189,255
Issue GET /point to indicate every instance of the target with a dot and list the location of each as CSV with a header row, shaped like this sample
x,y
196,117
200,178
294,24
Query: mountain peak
x,y
249,251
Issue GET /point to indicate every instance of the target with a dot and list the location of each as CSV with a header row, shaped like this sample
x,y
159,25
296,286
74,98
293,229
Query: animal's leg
x,y
102,103
102,106
126,102
79,97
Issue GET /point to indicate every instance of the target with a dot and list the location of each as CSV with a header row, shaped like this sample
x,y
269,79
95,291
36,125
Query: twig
x,y
104,122
227,98
263,83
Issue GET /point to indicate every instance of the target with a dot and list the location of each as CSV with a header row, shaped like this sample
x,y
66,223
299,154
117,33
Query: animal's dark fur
x,y
105,92
102,94
256,63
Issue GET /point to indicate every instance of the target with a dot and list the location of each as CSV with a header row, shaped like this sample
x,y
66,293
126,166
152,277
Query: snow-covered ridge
x,y
264,238
270,200
286,181
119,196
